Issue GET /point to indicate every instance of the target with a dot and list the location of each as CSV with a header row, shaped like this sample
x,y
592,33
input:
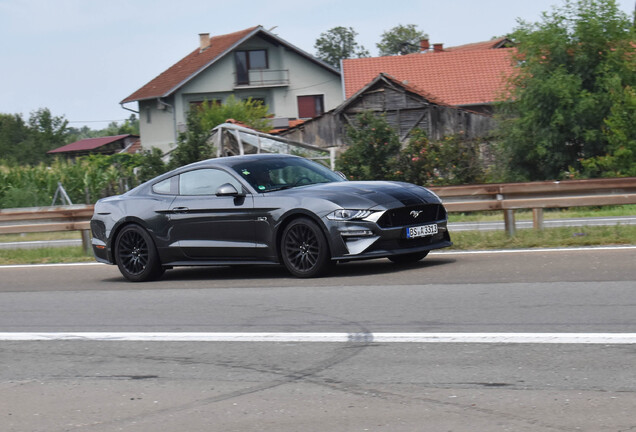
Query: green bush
x,y
373,148
375,154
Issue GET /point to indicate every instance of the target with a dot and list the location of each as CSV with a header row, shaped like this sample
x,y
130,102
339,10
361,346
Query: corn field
x,y
85,180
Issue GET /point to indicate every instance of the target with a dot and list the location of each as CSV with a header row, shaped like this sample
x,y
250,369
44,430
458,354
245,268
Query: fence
x,y
506,197
47,219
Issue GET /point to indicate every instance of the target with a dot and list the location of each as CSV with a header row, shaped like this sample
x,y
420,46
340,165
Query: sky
x,y
80,58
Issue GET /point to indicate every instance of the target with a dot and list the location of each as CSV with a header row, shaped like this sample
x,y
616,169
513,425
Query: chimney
x,y
438,47
204,41
424,45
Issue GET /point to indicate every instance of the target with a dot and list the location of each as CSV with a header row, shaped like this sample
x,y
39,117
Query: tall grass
x,y
85,180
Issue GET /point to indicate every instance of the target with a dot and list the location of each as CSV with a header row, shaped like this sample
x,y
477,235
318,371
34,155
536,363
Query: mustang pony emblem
x,y
415,213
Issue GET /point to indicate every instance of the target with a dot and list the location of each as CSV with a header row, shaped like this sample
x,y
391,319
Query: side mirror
x,y
228,189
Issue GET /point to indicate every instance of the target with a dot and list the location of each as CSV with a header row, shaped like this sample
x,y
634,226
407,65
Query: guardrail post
x,y
86,241
537,218
509,222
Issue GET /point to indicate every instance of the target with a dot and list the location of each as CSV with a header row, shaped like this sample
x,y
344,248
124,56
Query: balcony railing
x,y
264,78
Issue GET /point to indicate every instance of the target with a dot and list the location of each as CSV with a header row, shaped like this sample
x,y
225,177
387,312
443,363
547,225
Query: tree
x,y
129,126
401,40
374,145
576,65
338,43
27,142
193,143
13,132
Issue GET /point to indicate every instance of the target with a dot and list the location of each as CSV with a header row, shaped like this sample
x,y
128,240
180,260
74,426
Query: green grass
x,y
44,236
44,255
549,238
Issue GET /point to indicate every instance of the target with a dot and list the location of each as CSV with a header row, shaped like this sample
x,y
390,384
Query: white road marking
x,y
489,338
537,250
19,266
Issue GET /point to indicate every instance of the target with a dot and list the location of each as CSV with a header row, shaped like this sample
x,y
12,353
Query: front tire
x,y
408,258
136,255
304,249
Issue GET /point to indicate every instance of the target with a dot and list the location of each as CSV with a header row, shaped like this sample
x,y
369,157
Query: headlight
x,y
347,214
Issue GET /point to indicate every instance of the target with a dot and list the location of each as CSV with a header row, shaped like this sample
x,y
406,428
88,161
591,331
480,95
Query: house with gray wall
x,y
251,63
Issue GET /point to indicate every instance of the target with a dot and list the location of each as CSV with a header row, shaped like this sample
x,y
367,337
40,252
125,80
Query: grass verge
x,y
44,255
465,240
548,238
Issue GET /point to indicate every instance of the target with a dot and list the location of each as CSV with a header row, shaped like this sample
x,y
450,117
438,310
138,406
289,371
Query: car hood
x,y
368,194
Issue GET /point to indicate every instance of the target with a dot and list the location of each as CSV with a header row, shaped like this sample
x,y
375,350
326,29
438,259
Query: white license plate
x,y
421,231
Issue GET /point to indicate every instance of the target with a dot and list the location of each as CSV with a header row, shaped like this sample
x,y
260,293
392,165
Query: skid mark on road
x,y
490,338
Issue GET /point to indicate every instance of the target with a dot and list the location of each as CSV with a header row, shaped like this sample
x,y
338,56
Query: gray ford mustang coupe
x,y
264,209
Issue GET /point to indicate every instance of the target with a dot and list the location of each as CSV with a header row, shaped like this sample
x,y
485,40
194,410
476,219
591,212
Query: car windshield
x,y
268,175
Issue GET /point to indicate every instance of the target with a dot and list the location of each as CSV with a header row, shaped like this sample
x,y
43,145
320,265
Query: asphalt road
x,y
106,384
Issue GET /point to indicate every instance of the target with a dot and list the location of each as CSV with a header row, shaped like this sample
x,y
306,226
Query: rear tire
x,y
408,258
304,249
136,255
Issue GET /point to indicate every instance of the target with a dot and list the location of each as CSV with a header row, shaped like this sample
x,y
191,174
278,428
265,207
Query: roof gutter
x,y
127,109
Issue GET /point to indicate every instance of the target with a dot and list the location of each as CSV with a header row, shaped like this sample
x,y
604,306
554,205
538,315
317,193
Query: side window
x,y
205,182
168,186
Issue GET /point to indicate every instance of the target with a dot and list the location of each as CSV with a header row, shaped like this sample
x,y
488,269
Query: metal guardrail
x,y
506,197
48,219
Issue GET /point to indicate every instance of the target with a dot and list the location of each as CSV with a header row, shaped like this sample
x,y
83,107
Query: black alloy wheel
x,y
136,255
304,249
408,258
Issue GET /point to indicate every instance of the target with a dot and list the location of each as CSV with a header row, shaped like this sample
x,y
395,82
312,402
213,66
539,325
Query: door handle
x,y
180,210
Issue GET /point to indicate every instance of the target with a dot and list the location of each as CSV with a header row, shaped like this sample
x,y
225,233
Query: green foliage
x,y
338,43
375,153
373,148
28,142
250,112
152,164
452,161
620,160
85,180
401,40
193,143
576,67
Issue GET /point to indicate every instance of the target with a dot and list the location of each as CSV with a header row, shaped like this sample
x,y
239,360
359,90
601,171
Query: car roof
x,y
233,160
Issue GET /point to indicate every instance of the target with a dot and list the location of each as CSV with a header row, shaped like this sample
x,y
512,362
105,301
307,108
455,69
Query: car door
x,y
211,227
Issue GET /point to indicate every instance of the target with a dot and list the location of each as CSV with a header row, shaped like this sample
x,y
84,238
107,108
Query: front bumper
x,y
377,242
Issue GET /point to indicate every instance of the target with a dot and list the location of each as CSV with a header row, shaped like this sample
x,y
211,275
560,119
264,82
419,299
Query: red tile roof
x,y
501,42
190,65
461,77
88,144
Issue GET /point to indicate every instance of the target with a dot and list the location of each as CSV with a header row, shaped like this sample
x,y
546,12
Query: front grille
x,y
412,215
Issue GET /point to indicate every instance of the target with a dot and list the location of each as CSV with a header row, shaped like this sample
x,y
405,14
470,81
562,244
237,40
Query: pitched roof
x,y
502,42
88,144
461,77
394,82
173,77
198,60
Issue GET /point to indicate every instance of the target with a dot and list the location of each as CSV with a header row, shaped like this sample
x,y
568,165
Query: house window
x,y
249,60
310,106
